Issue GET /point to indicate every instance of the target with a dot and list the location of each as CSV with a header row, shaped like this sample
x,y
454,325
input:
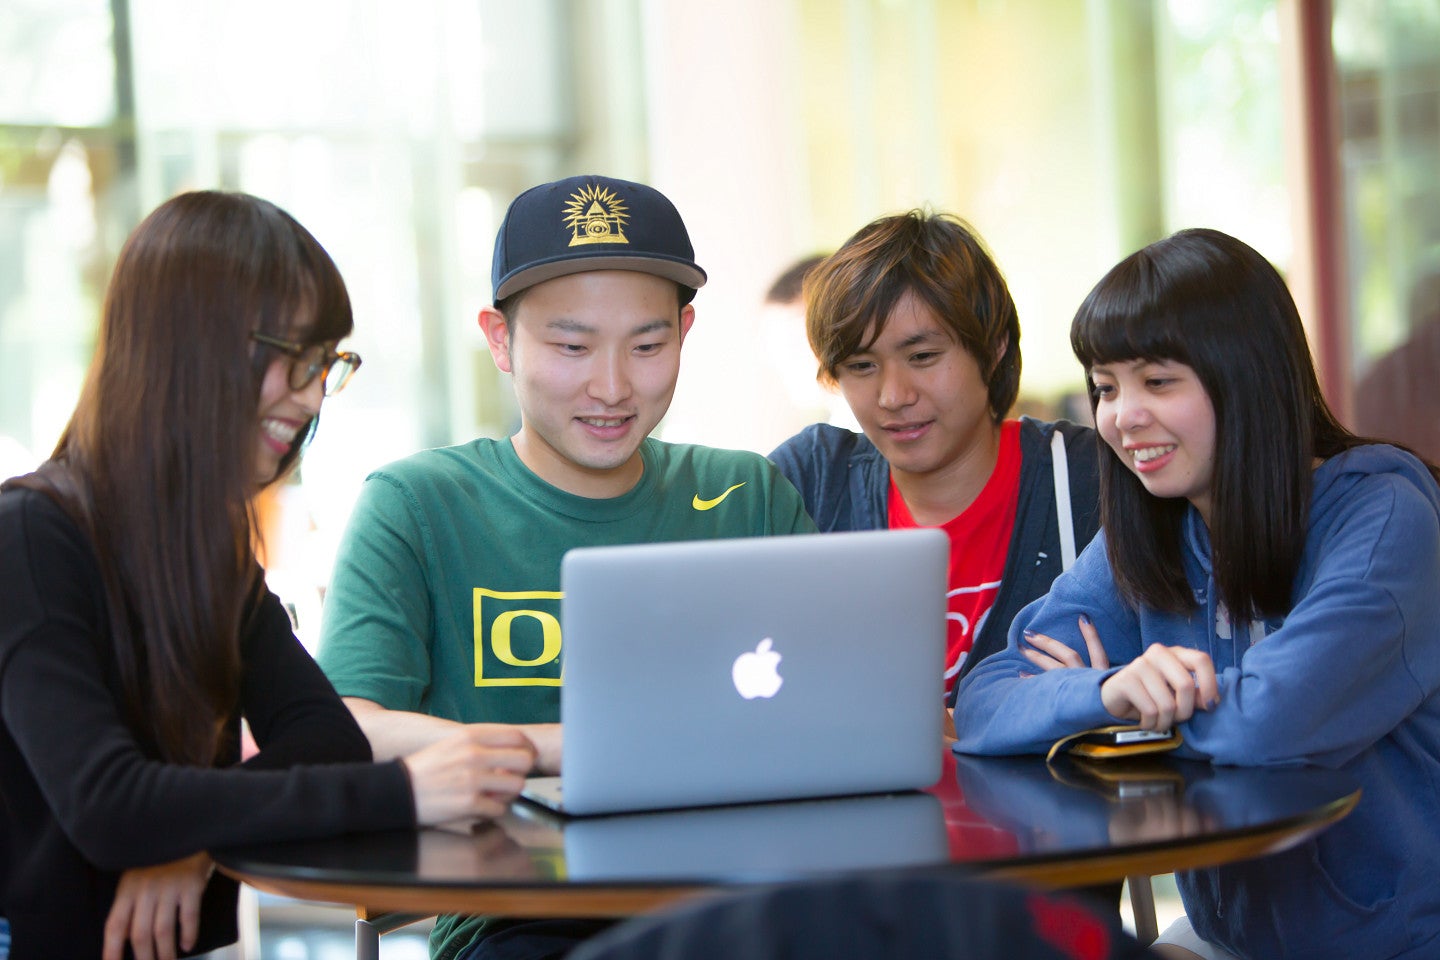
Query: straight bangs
x,y
297,295
1134,313
1129,316
314,303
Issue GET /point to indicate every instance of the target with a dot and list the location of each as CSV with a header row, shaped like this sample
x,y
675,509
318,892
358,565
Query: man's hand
x,y
400,733
472,774
546,739
151,902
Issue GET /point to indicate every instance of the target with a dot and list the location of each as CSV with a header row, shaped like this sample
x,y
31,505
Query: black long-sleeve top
x,y
85,798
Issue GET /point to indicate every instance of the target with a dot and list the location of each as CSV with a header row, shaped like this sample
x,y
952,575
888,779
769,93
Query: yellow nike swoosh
x,y
699,504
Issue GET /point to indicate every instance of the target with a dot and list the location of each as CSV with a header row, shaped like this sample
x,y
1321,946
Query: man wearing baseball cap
x,y
444,606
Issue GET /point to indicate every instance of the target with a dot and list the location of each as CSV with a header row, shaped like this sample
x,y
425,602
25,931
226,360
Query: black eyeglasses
x,y
308,361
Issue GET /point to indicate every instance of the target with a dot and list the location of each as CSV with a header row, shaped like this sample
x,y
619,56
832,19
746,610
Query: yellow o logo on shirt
x,y
495,615
549,634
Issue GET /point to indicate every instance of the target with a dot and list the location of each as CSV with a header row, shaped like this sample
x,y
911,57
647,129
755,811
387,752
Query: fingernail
x,y
1028,634
1214,702
1085,619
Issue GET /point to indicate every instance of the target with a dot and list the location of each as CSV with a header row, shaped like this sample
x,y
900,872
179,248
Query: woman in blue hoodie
x,y
1265,580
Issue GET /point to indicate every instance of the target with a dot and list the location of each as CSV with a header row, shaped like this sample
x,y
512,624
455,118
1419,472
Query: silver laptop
x,y
763,668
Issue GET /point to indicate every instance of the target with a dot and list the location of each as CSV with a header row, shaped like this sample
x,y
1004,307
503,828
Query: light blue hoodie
x,y
1348,679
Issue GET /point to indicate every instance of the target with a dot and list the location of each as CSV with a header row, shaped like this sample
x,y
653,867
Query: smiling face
x,y
595,357
284,415
1158,419
919,396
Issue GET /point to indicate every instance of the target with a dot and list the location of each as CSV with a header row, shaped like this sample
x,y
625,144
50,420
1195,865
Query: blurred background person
x,y
791,380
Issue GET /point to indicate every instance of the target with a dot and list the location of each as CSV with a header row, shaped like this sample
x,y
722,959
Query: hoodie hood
x,y
1338,475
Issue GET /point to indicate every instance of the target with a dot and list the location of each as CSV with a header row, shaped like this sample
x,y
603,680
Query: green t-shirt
x,y
445,598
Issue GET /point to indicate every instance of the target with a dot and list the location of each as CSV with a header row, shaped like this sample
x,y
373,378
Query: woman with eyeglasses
x,y
135,626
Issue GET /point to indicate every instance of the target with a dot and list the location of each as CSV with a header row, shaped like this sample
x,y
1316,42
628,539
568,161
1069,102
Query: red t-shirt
x,y
979,542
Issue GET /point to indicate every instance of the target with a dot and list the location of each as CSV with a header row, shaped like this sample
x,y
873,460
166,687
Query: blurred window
x,y
395,132
1388,60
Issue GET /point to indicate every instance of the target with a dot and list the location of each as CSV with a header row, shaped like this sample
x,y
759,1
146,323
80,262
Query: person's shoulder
x,y
31,514
439,463
1082,446
16,502
1375,516
1376,472
713,473
1033,430
822,441
706,459
46,559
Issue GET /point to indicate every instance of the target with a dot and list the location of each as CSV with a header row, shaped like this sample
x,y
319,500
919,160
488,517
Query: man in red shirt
x,y
913,322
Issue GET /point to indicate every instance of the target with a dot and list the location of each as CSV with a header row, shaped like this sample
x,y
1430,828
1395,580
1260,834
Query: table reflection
x,y
756,842
1070,806
1061,825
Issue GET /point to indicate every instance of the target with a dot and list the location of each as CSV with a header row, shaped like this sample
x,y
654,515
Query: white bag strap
x,y
1063,514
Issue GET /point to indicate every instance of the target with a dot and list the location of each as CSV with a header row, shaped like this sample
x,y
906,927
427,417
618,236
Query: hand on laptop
x,y
472,774
545,737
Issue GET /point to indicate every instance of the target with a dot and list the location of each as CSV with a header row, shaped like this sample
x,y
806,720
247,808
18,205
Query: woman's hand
x,y
1048,653
1162,687
472,774
151,902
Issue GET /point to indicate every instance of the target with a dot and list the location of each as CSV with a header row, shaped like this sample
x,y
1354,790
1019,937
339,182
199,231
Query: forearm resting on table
x,y
399,733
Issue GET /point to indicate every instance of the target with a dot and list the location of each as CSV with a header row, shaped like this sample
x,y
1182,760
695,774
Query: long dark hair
x,y
157,463
1209,301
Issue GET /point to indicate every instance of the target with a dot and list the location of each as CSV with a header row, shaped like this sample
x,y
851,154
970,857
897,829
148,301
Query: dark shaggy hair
x,y
939,260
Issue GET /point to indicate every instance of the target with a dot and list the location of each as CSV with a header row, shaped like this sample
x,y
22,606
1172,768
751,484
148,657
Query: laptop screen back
x,y
720,671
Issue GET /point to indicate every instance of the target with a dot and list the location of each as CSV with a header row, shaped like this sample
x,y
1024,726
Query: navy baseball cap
x,y
592,223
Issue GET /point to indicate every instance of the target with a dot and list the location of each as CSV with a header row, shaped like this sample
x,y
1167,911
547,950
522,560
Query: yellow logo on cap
x,y
595,215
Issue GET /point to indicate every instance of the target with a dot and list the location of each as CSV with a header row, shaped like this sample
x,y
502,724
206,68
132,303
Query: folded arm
x,y
1355,656
1040,688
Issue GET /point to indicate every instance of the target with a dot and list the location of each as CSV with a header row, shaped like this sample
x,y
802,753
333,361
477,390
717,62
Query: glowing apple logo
x,y
754,672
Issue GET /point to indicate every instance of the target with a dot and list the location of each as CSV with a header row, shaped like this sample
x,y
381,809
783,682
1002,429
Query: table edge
x,y
621,899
